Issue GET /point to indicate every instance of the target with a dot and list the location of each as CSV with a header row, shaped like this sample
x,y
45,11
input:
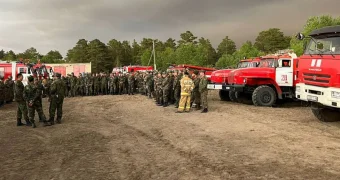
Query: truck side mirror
x,y
300,36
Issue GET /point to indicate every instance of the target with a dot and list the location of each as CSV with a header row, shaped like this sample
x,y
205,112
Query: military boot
x,y
19,123
58,120
28,123
33,125
46,123
165,104
51,121
198,106
205,110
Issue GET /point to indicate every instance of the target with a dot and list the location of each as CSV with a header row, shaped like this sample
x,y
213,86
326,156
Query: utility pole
x,y
154,54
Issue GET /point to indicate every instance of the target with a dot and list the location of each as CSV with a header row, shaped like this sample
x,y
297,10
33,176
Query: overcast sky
x,y
58,24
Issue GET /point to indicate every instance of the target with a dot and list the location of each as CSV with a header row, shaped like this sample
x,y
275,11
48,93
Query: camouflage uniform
x,y
31,96
96,84
2,92
73,84
56,99
9,94
110,84
103,86
22,107
88,85
40,89
165,88
121,84
177,89
65,79
81,85
115,84
195,95
171,91
149,85
159,98
203,89
131,81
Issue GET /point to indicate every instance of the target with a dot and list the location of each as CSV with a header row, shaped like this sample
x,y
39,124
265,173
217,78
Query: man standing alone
x,y
203,89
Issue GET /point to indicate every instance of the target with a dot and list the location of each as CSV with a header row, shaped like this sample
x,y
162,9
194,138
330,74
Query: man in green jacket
x,y
203,89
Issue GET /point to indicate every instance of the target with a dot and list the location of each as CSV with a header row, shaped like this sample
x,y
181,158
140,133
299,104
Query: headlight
x,y
335,94
245,80
297,89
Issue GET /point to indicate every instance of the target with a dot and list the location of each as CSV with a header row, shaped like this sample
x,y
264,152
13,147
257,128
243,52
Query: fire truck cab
x,y
319,73
219,78
273,79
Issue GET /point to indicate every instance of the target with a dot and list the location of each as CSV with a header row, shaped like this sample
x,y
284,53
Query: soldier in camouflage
x,y
56,98
165,88
103,84
31,96
159,98
195,95
177,88
9,86
19,98
115,84
2,91
40,89
81,85
203,90
73,84
131,81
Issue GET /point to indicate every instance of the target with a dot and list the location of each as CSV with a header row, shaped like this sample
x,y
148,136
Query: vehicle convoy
x,y
191,69
219,78
319,73
273,79
13,68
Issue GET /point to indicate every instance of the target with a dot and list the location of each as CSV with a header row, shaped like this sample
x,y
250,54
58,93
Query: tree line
x,y
188,50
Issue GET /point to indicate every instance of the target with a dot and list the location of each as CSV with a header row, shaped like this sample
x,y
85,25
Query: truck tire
x,y
326,114
232,96
224,95
264,96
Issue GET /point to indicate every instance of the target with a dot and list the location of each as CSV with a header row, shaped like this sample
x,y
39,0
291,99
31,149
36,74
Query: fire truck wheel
x,y
232,96
224,95
326,114
264,96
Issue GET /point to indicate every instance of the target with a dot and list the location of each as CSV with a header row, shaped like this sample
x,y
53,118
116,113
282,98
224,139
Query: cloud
x,y
58,24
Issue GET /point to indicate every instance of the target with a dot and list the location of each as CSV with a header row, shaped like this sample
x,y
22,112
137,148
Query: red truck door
x,y
284,72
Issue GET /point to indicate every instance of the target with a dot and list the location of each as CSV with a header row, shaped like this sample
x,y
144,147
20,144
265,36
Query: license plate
x,y
211,86
312,98
218,86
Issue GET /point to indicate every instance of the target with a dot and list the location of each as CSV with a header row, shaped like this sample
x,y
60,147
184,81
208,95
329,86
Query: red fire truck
x,y
273,79
219,78
127,69
13,68
319,73
192,68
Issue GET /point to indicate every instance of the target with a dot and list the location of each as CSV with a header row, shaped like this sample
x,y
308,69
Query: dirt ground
x,y
129,137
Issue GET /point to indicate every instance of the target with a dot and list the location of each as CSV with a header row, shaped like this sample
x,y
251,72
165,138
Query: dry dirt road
x,y
128,137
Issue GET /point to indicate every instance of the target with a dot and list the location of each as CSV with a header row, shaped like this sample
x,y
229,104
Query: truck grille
x,y
318,78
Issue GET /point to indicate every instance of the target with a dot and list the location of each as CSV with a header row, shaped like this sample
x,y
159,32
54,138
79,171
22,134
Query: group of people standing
x,y
6,90
29,100
178,88
164,87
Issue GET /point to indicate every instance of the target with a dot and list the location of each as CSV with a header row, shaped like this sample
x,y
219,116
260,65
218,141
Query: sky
x,y
59,24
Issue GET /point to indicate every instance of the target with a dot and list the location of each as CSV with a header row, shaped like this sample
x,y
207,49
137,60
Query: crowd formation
x,y
178,88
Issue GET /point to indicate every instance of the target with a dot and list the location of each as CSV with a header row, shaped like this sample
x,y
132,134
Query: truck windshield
x,y
323,45
267,63
243,65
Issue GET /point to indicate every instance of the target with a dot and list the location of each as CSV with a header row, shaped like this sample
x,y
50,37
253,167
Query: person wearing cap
x,y
166,88
56,98
19,98
177,88
73,83
203,89
40,89
159,98
195,95
31,97
187,85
